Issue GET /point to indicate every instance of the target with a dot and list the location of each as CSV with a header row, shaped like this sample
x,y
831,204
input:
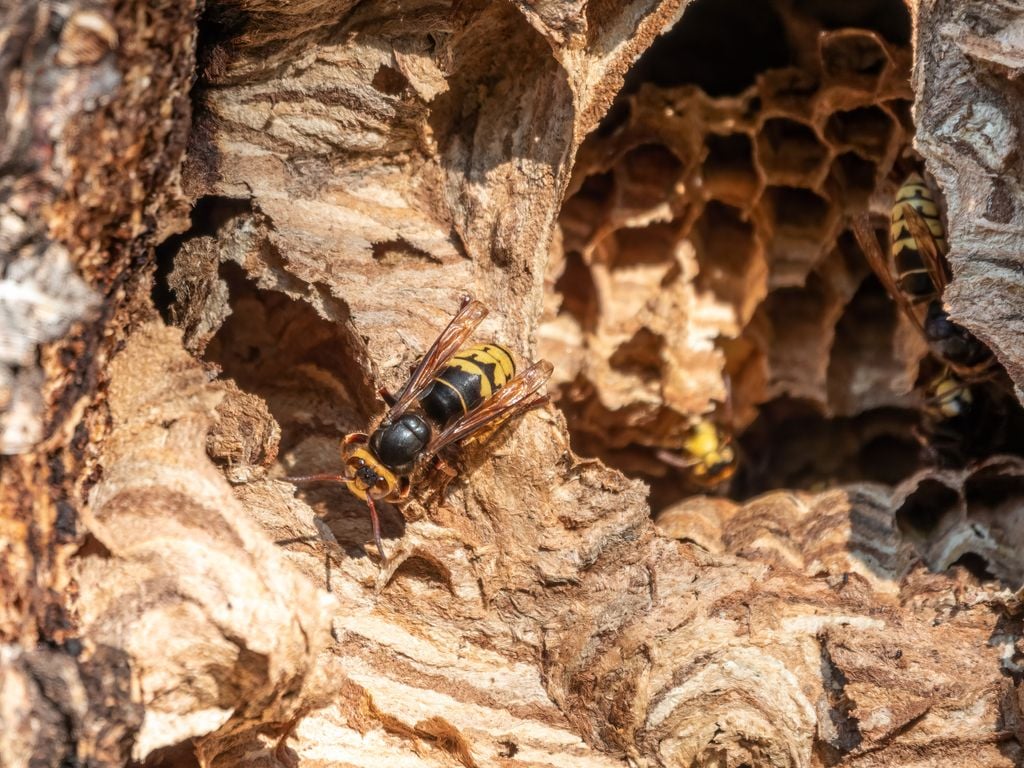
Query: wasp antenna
x,y
375,521
317,479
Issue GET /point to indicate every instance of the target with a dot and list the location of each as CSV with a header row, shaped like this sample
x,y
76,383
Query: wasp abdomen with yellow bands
x,y
469,378
912,275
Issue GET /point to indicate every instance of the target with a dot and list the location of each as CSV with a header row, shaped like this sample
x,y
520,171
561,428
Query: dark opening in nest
x,y
759,147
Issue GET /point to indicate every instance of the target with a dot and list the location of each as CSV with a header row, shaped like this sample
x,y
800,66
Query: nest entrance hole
x,y
301,365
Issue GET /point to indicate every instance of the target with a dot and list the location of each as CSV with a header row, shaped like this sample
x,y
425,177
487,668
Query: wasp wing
x,y
865,235
927,247
441,351
515,396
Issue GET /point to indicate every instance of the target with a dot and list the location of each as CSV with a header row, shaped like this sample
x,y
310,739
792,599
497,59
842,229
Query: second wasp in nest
x,y
915,278
708,456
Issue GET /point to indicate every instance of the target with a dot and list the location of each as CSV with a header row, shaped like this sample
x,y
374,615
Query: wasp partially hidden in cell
x,y
452,394
708,455
916,281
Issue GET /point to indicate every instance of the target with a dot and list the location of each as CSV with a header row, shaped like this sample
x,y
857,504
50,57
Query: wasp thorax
x,y
399,443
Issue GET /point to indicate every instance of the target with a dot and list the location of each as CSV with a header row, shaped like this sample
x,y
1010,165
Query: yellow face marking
x,y
703,439
710,445
952,396
360,457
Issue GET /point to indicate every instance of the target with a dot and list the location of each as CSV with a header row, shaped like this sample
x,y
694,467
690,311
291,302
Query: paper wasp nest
x,y
349,172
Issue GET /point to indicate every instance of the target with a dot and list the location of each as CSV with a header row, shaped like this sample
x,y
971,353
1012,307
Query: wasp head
x,y
366,476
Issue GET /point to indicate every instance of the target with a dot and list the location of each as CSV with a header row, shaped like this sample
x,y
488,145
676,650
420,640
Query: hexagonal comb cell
x,y
802,322
707,241
639,356
629,268
855,178
800,225
729,172
641,248
863,368
646,177
970,518
923,511
790,152
889,18
867,130
732,265
854,57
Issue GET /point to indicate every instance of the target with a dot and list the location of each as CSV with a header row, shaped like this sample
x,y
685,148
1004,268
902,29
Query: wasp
x,y
916,281
452,394
918,278
708,454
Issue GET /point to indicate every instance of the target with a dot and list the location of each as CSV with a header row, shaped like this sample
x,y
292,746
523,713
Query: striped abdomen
x,y
467,380
912,275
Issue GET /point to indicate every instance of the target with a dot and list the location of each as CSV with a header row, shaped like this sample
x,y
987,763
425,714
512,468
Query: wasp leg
x,y
677,461
281,749
537,402
404,486
445,473
355,437
444,467
375,522
385,394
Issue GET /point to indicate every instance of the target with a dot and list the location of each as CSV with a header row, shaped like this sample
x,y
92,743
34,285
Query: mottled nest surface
x,y
671,230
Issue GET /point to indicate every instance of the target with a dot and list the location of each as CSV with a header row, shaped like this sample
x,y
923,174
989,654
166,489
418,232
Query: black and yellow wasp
x,y
708,455
916,280
452,394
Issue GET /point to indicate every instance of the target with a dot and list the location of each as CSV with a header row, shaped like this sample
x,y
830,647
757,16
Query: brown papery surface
x,y
227,225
